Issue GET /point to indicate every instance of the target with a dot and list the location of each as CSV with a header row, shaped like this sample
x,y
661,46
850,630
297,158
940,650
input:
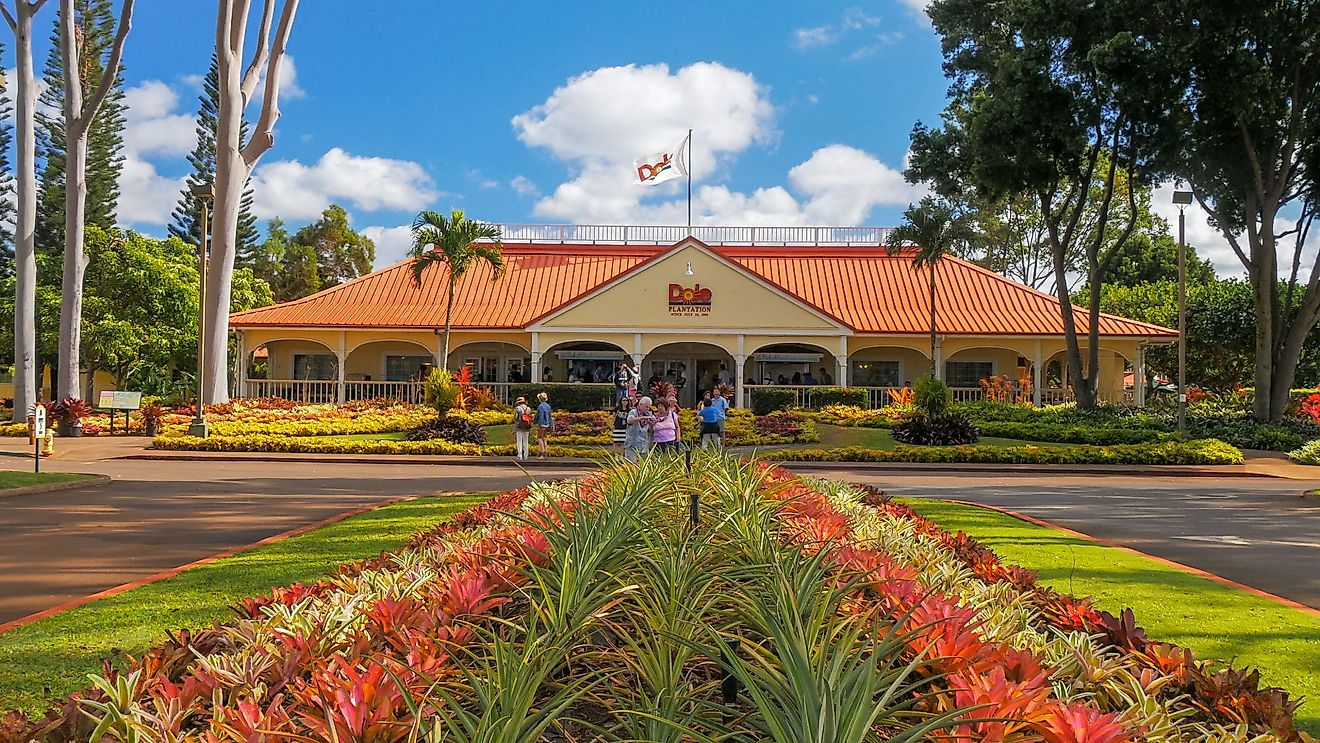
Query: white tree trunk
x,y
25,261
78,117
235,161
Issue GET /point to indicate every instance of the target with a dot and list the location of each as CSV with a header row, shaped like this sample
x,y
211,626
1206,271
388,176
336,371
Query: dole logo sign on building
x,y
691,301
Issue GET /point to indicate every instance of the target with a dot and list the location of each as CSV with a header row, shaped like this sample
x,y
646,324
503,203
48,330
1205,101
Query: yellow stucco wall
x,y
642,300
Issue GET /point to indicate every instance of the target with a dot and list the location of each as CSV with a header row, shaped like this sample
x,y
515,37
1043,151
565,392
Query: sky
x,y
533,112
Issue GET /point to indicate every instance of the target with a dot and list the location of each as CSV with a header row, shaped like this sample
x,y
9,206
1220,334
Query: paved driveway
x,y
1257,531
153,516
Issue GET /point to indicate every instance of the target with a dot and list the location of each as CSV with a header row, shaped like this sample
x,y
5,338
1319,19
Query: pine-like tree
x,y
202,158
8,196
105,140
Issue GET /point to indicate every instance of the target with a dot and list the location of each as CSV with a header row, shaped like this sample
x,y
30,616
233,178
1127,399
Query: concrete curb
x,y
1168,470
91,481
75,603
1161,560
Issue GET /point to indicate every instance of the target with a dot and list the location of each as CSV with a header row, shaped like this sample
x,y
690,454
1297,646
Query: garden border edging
x,y
91,481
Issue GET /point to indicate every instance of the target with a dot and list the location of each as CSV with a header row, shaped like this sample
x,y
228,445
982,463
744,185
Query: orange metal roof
x,y
866,289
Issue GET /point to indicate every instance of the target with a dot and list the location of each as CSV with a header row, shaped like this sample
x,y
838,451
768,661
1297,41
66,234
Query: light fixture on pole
x,y
205,194
1182,199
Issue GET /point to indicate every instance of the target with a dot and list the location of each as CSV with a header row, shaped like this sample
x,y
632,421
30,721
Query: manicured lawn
x,y
24,479
1172,605
58,652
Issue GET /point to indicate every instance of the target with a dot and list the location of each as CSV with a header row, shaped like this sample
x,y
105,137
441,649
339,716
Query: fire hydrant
x,y
49,448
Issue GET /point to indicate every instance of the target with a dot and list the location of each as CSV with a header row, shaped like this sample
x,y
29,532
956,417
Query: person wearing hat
x,y
522,427
544,421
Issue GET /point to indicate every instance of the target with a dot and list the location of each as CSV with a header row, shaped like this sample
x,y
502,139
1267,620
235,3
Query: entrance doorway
x,y
693,368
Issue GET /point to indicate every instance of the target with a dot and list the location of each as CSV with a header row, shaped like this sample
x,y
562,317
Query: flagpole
x,y
689,175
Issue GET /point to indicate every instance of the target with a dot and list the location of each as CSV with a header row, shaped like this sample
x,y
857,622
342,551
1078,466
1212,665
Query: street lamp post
x,y
205,194
1182,199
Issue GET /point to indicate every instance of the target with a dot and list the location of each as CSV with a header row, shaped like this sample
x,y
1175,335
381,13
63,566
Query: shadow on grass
x,y
52,657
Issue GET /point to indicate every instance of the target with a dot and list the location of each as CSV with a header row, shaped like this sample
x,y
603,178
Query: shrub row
x,y
1205,451
572,398
385,421
1308,453
323,445
1065,434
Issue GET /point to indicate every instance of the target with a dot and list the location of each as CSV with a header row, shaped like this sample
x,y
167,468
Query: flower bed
x,y
575,610
1202,451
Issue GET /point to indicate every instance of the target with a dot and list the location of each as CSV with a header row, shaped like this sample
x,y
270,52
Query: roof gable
x,y
688,285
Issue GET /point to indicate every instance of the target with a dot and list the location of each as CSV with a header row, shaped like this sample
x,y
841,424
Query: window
x,y
404,368
967,373
313,366
874,374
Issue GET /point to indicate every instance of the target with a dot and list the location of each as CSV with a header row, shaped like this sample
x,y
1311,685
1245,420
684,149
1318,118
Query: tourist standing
x,y
710,422
665,434
721,404
638,438
522,427
623,381
619,435
545,423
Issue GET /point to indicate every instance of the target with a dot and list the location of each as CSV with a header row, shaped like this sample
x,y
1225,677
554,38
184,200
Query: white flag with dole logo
x,y
662,166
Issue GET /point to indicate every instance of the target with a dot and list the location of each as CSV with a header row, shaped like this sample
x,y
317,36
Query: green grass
x,y
58,652
1215,621
24,479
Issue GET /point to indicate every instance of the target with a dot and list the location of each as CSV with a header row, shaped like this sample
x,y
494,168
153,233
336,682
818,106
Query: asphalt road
x,y
1261,532
55,547
157,515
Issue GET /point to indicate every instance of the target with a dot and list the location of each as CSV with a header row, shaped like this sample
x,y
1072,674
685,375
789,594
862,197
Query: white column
x,y
1037,375
435,354
841,377
240,373
341,354
739,384
1139,377
939,358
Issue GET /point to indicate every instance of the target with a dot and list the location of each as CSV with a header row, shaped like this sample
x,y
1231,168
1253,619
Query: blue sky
x,y
533,111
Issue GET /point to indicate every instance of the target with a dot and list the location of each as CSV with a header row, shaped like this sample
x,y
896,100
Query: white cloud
x,y
616,114
918,8
291,190
806,38
837,186
289,88
392,243
600,121
1208,241
151,125
145,196
854,19
523,186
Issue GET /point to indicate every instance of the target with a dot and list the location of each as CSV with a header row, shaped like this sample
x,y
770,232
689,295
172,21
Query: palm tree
x,y
934,230
457,242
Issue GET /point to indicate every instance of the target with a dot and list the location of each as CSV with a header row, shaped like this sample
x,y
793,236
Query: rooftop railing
x,y
633,234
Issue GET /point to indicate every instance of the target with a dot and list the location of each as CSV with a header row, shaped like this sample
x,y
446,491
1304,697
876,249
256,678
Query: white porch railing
x,y
301,390
370,389
709,234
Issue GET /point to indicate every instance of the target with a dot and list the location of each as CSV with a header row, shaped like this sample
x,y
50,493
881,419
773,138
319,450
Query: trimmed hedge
x,y
570,398
772,400
1204,451
825,396
322,445
1064,434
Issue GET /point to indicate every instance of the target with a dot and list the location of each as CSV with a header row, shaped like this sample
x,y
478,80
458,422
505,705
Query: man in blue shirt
x,y
710,417
722,405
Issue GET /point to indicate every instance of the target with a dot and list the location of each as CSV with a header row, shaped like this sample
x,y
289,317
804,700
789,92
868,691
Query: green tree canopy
x,y
341,253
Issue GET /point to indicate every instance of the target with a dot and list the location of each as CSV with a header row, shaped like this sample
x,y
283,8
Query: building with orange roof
x,y
795,307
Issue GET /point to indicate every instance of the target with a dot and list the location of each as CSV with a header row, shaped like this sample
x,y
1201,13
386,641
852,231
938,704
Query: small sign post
x,y
38,427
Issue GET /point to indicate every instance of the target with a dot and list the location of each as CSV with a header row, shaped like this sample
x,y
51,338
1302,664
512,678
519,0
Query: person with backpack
x,y
710,421
522,427
544,421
